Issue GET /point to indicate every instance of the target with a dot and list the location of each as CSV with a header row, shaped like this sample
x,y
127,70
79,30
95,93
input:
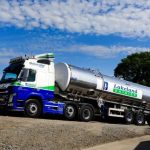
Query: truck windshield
x,y
8,77
11,72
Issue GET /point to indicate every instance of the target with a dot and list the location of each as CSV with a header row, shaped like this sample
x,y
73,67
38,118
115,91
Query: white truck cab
x,y
28,85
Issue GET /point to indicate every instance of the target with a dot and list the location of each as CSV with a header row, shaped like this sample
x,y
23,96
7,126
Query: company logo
x,y
119,89
29,85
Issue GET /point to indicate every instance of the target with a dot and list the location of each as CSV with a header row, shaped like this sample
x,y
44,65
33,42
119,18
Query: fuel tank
x,y
85,82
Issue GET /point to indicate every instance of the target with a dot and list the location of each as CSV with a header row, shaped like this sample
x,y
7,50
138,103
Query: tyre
x,y
86,113
129,116
33,108
70,112
139,119
148,122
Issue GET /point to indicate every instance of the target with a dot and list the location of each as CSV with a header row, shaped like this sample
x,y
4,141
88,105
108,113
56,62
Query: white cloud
x,y
7,54
105,51
100,51
126,17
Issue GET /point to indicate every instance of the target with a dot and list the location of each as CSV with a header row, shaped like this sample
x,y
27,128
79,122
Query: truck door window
x,y
27,75
31,75
24,74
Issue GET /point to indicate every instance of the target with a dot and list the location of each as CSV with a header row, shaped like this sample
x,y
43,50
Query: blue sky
x,y
88,33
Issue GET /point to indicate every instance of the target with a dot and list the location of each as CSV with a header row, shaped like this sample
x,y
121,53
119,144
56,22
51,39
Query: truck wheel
x,y
33,108
129,116
148,122
139,118
70,112
86,113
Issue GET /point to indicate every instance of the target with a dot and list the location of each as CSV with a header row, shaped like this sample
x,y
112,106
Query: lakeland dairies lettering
x,y
119,89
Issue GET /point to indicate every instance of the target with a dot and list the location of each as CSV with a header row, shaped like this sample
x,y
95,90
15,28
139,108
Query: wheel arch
x,y
76,105
37,97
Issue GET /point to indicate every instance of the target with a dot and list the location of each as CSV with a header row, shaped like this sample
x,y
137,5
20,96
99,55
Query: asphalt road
x,y
139,143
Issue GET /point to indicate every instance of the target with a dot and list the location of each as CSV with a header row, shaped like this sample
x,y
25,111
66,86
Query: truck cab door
x,y
28,78
27,82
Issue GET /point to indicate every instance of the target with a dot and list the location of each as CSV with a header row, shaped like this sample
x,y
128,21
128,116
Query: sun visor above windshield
x,y
16,67
17,60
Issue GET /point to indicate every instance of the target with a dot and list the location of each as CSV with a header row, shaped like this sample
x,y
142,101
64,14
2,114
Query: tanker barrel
x,y
85,82
74,78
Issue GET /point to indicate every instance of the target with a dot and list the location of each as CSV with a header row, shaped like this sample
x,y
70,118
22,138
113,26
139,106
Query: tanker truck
x,y
36,86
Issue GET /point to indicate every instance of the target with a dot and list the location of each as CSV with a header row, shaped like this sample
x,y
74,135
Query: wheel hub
x,y
70,111
86,114
33,108
129,117
140,119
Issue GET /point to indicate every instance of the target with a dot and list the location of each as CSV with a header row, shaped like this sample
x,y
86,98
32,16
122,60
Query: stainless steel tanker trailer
x,y
87,93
